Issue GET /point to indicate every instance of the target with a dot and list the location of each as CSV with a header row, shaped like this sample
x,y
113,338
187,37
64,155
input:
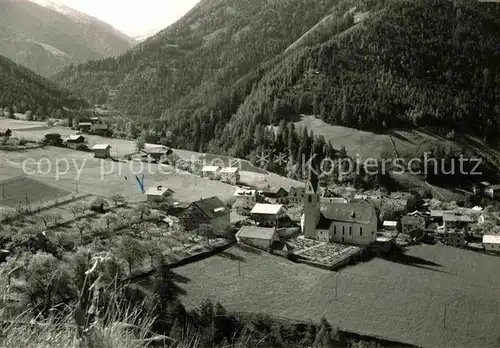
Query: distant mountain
x,y
45,36
22,90
229,65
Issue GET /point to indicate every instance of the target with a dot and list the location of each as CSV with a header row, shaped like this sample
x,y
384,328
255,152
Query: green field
x,y
444,297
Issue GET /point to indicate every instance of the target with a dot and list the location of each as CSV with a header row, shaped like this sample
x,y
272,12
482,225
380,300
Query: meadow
x,y
439,297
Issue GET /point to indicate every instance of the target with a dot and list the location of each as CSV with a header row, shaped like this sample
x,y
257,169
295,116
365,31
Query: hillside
x,y
22,90
49,37
373,65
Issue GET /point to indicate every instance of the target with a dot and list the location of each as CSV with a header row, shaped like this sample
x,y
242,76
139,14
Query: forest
x,y
407,64
22,90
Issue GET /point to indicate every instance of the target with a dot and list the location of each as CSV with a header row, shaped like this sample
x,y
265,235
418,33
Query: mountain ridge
x,y
26,24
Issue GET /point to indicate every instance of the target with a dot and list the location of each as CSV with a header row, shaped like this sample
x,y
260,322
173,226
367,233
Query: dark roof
x,y
323,223
349,212
212,207
273,190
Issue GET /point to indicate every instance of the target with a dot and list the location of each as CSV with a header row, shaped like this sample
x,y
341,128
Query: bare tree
x,y
81,226
117,199
45,219
57,218
154,252
143,211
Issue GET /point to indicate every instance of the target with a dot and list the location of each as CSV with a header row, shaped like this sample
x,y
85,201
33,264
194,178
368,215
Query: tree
x,y
140,143
131,251
325,337
76,209
45,218
143,211
154,252
117,199
82,226
57,218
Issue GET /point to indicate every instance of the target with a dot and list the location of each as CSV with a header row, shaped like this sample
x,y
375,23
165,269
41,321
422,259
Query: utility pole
x,y
28,203
336,286
444,317
3,190
239,268
76,184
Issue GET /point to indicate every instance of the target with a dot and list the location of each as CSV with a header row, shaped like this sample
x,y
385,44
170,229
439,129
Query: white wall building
x,y
210,172
491,242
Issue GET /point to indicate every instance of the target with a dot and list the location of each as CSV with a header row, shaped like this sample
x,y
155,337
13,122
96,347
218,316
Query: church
x,y
351,223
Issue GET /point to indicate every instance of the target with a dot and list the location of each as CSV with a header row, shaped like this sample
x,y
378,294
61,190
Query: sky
x,y
134,17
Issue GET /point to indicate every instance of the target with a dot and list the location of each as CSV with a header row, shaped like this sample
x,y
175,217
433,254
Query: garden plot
x,y
27,190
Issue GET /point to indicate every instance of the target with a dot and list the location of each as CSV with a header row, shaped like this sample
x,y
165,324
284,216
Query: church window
x,y
343,231
309,199
361,231
350,230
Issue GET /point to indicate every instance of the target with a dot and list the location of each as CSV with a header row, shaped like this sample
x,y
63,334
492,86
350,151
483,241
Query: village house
x,y
245,198
94,120
209,212
337,222
456,221
102,129
230,175
451,238
268,214
390,225
75,139
102,150
493,191
275,195
491,242
159,194
210,172
480,188
405,199
296,195
84,126
259,237
413,222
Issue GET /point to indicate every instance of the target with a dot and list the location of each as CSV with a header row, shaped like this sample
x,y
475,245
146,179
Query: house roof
x,y
267,209
210,168
101,147
412,220
456,217
75,137
494,187
390,223
273,190
212,207
84,124
230,170
350,212
256,232
158,190
491,238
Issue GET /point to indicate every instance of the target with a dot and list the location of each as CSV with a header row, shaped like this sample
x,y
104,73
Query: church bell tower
x,y
312,212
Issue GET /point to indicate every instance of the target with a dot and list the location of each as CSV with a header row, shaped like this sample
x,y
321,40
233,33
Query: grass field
x,y
15,191
444,297
106,178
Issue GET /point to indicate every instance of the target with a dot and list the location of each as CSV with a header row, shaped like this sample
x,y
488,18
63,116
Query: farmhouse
x,y
268,214
493,191
84,126
75,139
390,225
102,129
491,242
230,175
259,237
339,222
451,238
412,222
246,198
209,212
158,194
53,139
94,120
487,218
296,195
456,221
210,172
275,195
405,199
102,150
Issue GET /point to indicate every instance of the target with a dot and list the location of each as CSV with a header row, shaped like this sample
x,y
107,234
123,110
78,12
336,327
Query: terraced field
x,y
439,297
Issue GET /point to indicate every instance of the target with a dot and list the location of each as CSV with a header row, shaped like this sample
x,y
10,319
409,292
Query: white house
x,y
158,194
230,174
390,225
491,242
210,172
75,139
246,198
493,191
260,237
268,214
102,150
337,222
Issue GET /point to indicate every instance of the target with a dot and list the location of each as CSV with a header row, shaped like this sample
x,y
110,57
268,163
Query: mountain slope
x,y
45,39
22,90
228,66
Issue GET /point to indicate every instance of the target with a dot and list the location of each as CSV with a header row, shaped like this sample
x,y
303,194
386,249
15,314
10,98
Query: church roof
x,y
350,212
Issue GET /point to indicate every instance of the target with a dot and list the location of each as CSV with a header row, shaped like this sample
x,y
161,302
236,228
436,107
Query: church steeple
x,y
312,183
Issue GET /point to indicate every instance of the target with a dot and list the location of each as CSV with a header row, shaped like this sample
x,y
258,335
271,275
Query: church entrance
x,y
342,239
